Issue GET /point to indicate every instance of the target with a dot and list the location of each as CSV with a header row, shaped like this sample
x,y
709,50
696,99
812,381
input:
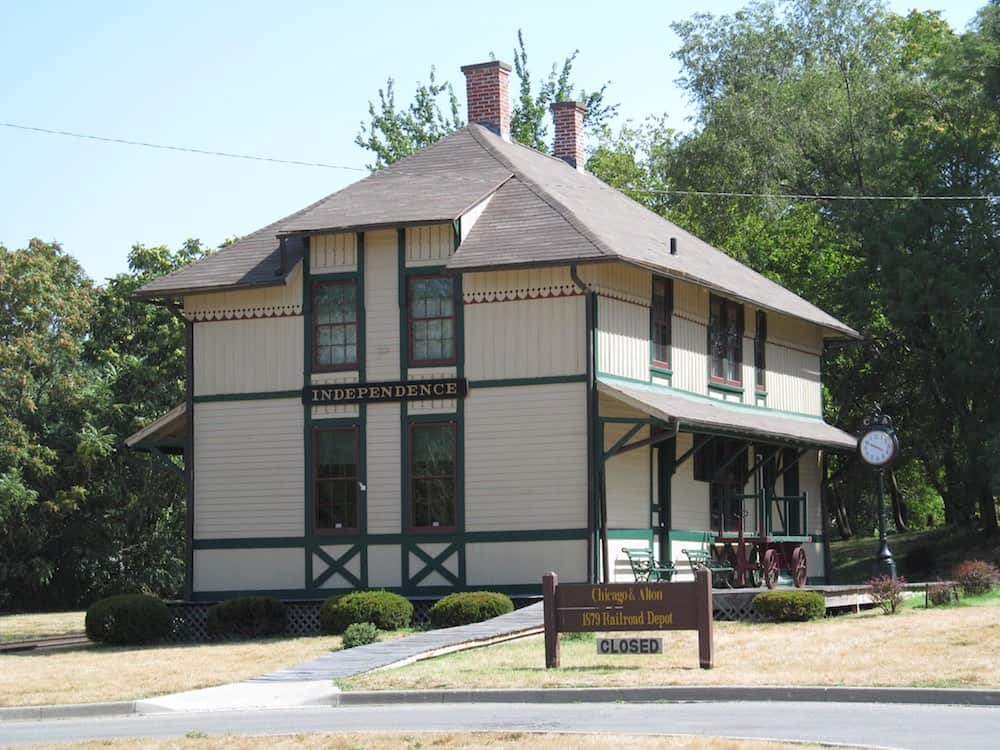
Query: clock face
x,y
877,447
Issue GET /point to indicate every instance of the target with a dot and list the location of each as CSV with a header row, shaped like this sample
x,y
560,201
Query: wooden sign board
x,y
587,607
367,393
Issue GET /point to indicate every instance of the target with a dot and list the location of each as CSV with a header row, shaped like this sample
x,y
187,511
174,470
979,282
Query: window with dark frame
x,y
659,321
759,346
432,476
725,341
725,488
335,325
431,317
336,479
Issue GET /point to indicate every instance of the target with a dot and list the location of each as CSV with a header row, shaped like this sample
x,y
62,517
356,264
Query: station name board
x,y
404,390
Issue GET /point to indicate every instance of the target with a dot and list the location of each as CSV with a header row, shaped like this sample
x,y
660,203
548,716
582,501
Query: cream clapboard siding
x,y
526,457
381,306
429,245
248,356
628,475
333,253
248,469
384,566
810,471
525,339
689,351
622,338
512,563
383,475
619,281
249,569
688,498
793,380
271,301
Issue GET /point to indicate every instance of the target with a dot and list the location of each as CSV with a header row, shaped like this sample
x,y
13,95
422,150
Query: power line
x,y
185,149
645,191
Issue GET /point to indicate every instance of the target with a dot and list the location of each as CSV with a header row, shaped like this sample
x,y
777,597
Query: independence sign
x,y
366,393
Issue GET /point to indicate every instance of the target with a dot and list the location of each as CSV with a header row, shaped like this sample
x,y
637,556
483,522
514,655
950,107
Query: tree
x,y
392,134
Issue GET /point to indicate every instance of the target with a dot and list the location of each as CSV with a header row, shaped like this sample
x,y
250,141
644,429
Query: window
x,y
725,342
759,345
432,475
725,486
336,479
335,326
659,321
431,307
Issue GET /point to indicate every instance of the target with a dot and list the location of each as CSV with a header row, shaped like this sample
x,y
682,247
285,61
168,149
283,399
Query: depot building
x,y
481,364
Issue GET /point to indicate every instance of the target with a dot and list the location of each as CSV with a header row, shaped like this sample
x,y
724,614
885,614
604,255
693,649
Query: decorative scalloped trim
x,y
515,295
245,313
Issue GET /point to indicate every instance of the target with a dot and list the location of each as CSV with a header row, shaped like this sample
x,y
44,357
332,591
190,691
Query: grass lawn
x,y
16,627
938,647
104,673
426,741
920,555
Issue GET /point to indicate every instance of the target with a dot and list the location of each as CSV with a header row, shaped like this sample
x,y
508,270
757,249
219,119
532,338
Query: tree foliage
x,y
393,133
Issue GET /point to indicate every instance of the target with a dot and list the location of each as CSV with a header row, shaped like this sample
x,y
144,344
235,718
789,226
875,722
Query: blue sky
x,y
289,80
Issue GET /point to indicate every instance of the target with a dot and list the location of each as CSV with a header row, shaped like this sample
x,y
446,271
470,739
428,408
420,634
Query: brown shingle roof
x,y
542,212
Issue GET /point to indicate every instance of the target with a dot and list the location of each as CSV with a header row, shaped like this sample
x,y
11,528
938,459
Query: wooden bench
x,y
701,559
645,567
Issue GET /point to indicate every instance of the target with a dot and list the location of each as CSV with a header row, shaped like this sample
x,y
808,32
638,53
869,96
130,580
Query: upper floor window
x,y
432,475
659,321
759,346
431,308
335,325
725,341
336,479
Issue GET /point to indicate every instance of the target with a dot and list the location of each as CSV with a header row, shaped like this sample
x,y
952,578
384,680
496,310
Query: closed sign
x,y
630,645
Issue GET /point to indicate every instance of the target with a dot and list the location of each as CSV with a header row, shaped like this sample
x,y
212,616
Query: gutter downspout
x,y
188,448
592,516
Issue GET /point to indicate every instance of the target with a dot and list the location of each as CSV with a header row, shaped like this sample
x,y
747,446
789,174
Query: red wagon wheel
x,y
800,572
754,566
771,567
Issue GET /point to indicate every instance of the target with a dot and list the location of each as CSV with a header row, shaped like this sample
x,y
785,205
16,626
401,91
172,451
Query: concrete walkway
x,y
311,683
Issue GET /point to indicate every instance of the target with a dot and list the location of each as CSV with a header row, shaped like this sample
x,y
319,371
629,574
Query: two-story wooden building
x,y
480,364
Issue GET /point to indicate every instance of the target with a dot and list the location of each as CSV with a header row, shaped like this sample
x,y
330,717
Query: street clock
x,y
878,444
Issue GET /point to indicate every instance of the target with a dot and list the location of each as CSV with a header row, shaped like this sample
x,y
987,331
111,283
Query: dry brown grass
x,y
102,673
936,647
425,741
13,627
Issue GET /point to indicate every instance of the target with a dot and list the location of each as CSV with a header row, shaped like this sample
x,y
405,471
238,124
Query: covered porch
x,y
740,483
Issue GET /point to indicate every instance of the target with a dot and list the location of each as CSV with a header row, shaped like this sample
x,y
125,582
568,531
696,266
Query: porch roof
x,y
692,412
166,433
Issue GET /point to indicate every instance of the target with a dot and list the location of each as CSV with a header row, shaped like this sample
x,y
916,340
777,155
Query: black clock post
x,y
878,447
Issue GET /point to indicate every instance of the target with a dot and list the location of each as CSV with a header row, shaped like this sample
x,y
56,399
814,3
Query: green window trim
x,y
348,483
661,312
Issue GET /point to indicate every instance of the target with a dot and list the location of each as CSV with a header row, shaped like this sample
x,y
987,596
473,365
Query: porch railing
x,y
786,515
776,515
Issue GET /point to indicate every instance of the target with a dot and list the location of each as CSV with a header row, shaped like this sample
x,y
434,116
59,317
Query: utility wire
x,y
645,191
181,148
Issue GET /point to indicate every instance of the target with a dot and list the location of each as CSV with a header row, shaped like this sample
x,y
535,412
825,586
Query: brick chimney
x,y
487,93
568,118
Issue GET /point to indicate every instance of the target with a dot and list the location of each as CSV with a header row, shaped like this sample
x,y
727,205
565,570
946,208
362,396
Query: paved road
x,y
870,725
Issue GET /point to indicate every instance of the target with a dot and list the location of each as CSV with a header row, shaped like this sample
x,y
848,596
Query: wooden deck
x,y
734,604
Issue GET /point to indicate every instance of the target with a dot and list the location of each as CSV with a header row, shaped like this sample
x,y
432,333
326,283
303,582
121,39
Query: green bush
x,y
385,610
360,634
976,576
128,619
790,606
468,607
941,593
248,617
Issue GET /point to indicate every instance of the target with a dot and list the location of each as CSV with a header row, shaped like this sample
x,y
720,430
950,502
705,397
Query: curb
x,y
68,711
939,696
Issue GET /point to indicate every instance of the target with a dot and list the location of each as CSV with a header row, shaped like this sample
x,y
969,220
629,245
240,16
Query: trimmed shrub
x,y
941,593
887,592
976,576
385,610
248,617
128,620
468,607
360,634
790,606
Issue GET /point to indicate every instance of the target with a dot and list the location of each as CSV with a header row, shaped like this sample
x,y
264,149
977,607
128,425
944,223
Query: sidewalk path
x,y
353,661
311,683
